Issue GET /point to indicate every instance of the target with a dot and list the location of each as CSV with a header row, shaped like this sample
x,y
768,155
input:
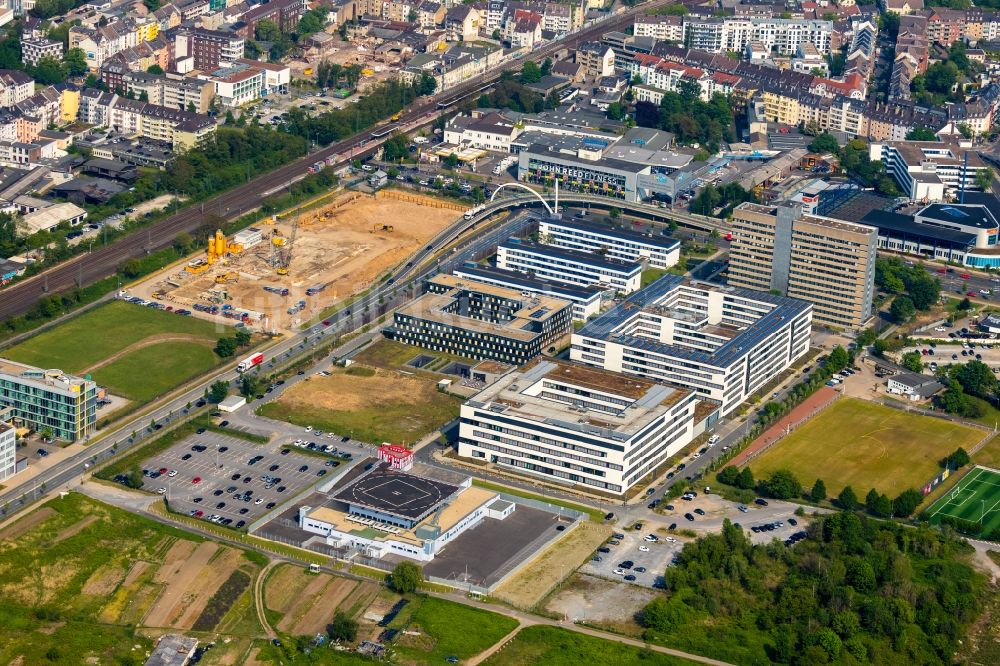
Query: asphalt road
x,y
86,269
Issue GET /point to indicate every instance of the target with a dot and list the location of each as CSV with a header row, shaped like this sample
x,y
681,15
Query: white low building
x,y
658,251
583,269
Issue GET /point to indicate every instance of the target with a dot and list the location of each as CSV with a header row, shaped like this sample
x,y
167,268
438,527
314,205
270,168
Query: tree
x,y
49,71
218,391
395,148
728,475
155,69
343,627
75,61
879,347
451,161
616,111
847,500
225,347
976,378
242,337
818,492
902,309
249,386
745,479
530,72
984,179
878,504
133,478
921,134
913,361
496,34
956,459
906,503
311,22
405,577
546,68
267,31
825,143
838,358
782,484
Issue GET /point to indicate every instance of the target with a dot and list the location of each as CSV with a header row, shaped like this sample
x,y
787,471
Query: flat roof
x,y
396,493
586,258
662,242
898,223
606,327
522,281
969,215
519,394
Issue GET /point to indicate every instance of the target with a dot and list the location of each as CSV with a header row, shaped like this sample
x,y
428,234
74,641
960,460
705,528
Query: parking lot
x,y
233,479
647,566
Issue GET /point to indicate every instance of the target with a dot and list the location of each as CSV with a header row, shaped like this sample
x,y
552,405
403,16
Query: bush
x,y
343,627
782,484
405,577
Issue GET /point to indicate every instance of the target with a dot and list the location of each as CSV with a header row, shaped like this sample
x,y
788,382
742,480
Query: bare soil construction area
x,y
342,247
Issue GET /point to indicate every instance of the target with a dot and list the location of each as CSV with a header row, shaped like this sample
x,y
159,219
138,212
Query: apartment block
x,y
829,263
620,244
48,399
36,48
208,49
723,343
775,34
929,170
183,94
583,269
15,87
480,321
577,425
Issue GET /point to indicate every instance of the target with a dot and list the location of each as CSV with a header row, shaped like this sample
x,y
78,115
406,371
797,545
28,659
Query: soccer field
x,y
975,498
866,445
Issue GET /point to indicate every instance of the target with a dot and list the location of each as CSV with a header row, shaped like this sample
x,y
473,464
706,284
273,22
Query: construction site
x,y
287,269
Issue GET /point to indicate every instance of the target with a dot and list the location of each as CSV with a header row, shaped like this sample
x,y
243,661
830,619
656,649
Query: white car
x,y
649,538
260,500
619,572
671,539
309,428
172,473
643,549
985,292
161,490
940,329
713,439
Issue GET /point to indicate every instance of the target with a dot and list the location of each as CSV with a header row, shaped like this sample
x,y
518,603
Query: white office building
x,y
658,251
723,343
586,300
8,451
576,425
579,268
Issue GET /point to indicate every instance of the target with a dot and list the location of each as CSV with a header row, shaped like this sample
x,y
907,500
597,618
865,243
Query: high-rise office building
x,y
829,263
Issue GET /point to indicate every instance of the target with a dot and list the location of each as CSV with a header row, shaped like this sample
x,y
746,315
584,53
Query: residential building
x,y
15,87
34,49
480,321
49,400
180,129
660,28
621,244
586,300
584,269
577,425
929,170
209,50
461,23
829,263
597,59
723,343
485,131
185,94
100,43
8,450
283,13
238,85
775,34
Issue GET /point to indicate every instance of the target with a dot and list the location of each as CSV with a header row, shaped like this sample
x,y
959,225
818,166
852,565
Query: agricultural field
x,y
554,646
866,445
302,604
78,577
371,405
136,352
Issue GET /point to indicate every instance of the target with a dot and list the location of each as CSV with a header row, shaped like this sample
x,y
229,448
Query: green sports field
x,y
137,352
976,498
866,445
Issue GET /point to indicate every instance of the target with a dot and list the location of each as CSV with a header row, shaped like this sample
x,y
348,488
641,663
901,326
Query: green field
x,y
167,349
554,646
865,445
448,629
975,498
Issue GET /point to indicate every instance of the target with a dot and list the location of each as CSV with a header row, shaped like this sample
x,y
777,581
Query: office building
x,y
583,269
480,321
48,400
723,343
8,450
929,170
827,262
577,425
586,300
620,244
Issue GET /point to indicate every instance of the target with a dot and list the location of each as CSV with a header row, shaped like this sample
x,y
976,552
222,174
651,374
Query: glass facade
x,y
67,408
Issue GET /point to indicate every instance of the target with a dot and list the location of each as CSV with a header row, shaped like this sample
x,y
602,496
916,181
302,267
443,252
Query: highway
x,y
87,268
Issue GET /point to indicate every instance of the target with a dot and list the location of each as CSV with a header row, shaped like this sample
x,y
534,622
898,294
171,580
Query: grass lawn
x,y
865,445
150,372
158,362
554,646
381,407
651,275
393,355
94,336
989,455
449,629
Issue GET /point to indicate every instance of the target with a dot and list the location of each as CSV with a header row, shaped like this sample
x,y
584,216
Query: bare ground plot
x,y
342,245
179,585
383,407
598,601
307,602
26,524
532,583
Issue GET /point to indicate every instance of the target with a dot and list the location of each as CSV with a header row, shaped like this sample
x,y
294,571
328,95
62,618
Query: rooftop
x,y
522,281
968,215
531,394
396,493
587,258
659,241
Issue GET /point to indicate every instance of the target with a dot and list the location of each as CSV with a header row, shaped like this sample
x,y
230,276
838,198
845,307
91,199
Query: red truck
x,y
250,362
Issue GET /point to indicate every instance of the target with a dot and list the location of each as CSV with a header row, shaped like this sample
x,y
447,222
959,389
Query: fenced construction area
x,y
975,499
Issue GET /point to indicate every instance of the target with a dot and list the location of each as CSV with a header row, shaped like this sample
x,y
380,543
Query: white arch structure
x,y
552,211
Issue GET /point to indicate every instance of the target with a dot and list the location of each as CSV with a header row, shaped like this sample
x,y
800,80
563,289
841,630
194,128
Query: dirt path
x,y
489,652
147,342
258,598
73,530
